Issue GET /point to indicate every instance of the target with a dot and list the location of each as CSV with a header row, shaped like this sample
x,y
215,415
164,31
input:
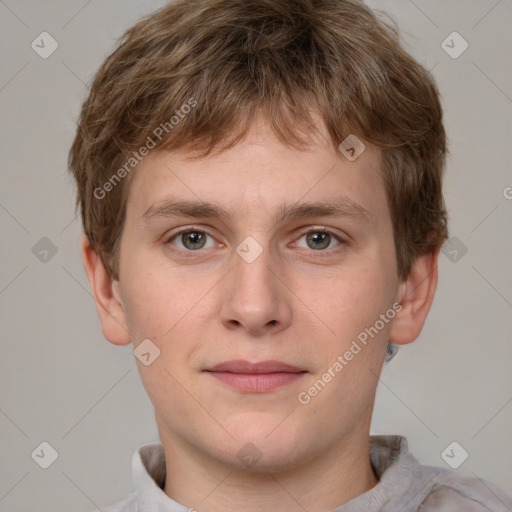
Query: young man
x,y
260,190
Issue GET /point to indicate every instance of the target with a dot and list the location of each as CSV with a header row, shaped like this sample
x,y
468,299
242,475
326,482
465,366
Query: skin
x,y
295,303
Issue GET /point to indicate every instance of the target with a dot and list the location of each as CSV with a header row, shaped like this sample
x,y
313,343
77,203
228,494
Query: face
x,y
221,260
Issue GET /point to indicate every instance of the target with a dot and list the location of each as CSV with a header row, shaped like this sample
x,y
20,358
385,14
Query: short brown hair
x,y
239,58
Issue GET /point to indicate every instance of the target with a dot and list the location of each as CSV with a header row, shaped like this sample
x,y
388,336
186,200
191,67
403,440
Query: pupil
x,y
194,239
319,240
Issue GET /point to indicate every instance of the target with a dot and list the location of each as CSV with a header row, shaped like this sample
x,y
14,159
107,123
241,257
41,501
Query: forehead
x,y
260,177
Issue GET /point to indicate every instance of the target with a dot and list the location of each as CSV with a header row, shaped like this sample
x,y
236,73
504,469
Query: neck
x,y
323,483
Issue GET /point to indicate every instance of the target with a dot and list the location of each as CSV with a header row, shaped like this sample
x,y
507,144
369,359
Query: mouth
x,y
257,377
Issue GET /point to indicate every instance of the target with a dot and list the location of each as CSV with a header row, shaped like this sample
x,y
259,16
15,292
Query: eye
x,y
319,239
191,239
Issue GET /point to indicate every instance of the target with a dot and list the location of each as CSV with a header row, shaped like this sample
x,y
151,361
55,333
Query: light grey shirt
x,y
404,485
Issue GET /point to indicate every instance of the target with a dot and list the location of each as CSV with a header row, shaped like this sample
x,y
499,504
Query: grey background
x,y
62,382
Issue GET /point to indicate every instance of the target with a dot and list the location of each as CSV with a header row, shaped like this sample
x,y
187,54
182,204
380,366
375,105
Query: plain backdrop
x,y
62,383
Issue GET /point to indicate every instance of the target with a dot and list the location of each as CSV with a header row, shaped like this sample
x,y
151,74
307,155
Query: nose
x,y
255,297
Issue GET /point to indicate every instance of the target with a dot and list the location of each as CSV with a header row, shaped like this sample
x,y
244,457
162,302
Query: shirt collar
x,y
389,456
394,467
148,471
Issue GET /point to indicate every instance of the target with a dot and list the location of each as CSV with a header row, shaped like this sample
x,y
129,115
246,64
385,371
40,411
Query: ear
x,y
106,296
416,296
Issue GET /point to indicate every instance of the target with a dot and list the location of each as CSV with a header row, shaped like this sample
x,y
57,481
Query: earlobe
x,y
416,297
106,296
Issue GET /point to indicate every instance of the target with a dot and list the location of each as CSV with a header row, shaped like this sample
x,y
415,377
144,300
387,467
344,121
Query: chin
x,y
264,445
265,458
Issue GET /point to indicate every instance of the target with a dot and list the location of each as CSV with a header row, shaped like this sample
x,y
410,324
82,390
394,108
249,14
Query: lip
x,y
241,366
257,377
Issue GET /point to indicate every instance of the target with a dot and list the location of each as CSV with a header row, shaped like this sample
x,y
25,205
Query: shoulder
x,y
410,486
450,491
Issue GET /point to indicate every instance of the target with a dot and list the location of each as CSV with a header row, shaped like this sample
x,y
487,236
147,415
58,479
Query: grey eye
x,y
191,240
318,240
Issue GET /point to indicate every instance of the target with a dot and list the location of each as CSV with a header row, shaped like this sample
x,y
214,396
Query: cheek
x,y
352,357
353,299
158,308
155,296
147,308
168,307
143,320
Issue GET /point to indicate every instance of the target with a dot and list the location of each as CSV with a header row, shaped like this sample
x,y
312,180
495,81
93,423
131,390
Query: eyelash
x,y
318,253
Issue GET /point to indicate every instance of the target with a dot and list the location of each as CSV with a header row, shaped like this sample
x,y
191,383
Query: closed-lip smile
x,y
256,377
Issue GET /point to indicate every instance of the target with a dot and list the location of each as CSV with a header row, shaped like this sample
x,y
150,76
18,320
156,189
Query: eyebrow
x,y
340,207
